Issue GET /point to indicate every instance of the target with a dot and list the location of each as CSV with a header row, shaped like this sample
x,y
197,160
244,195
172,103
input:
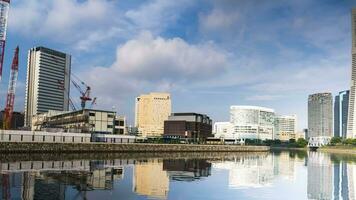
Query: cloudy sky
x,y
208,54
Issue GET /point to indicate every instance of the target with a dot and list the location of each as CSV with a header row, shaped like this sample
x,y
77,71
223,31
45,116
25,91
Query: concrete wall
x,y
14,147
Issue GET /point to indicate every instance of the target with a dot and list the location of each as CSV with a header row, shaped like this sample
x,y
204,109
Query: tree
x,y
301,142
336,140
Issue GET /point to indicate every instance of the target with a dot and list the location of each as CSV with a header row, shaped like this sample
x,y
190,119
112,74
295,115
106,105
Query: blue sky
x,y
208,54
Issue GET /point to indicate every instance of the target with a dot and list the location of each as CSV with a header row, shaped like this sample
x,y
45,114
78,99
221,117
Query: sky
x,y
209,54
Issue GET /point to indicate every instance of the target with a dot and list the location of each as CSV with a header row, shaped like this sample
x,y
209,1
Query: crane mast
x,y
10,100
4,11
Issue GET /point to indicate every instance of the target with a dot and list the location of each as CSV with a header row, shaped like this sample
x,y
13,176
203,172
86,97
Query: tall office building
x,y
320,115
351,123
341,106
47,83
150,113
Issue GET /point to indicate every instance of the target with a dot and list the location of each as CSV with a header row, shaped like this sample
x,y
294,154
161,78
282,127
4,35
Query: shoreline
x,y
32,147
340,150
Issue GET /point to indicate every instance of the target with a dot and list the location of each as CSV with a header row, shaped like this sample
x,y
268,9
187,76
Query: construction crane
x,y
4,12
85,93
10,100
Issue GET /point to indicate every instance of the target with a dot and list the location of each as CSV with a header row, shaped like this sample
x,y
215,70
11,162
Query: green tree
x,y
336,140
301,142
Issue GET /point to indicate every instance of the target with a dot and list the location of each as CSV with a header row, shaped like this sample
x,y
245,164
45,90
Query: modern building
x,y
285,127
193,126
17,120
351,124
81,121
151,111
47,82
247,122
341,107
320,117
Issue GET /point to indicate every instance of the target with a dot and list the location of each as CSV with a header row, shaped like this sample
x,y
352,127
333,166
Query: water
x,y
275,175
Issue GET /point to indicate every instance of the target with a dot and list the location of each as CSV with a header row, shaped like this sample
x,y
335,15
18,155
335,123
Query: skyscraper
x,y
47,82
341,106
150,113
320,115
351,123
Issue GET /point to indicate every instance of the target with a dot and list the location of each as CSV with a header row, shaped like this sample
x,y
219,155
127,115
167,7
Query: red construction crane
x,y
10,100
85,94
4,11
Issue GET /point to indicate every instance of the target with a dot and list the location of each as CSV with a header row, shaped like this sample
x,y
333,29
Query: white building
x,y
351,123
247,122
285,127
47,82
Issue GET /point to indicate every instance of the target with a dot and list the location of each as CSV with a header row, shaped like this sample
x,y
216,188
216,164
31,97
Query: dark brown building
x,y
16,122
192,126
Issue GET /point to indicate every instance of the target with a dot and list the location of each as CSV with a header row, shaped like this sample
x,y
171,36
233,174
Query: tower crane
x,y
10,100
4,12
85,93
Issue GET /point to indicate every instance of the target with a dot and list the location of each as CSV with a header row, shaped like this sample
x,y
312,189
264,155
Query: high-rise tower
x,y
320,115
47,83
351,123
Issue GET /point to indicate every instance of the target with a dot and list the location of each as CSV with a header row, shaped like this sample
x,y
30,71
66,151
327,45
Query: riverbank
x,y
32,147
289,148
338,149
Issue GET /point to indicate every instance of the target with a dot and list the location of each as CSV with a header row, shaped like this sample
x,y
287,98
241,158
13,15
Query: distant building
x,y
81,121
16,122
341,107
47,82
222,130
150,113
247,122
351,124
192,126
285,127
320,118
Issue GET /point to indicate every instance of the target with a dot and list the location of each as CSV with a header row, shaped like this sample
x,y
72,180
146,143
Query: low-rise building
x,y
80,121
191,126
120,125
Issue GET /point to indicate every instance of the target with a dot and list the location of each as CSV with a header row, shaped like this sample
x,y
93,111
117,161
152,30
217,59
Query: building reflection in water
x,y
328,179
151,180
328,176
187,169
249,171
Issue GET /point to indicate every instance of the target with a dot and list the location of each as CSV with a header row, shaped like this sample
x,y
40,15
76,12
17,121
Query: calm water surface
x,y
276,175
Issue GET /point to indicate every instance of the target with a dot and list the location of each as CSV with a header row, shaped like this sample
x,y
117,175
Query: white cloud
x,y
64,21
157,15
155,64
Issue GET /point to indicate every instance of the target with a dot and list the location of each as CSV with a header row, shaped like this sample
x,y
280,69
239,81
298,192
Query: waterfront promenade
x,y
27,147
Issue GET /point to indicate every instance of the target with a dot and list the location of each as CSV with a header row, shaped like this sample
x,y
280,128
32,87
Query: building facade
x,y
194,126
80,121
351,124
285,127
320,116
341,107
151,110
17,120
247,122
47,82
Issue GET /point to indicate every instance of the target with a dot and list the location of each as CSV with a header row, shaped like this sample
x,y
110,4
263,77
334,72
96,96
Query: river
x,y
265,175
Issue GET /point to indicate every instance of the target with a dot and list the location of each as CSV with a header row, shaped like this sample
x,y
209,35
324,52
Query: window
x,y
92,114
110,126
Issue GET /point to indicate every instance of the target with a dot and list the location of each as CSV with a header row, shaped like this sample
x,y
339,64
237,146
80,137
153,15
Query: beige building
x,y
285,127
151,180
151,110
